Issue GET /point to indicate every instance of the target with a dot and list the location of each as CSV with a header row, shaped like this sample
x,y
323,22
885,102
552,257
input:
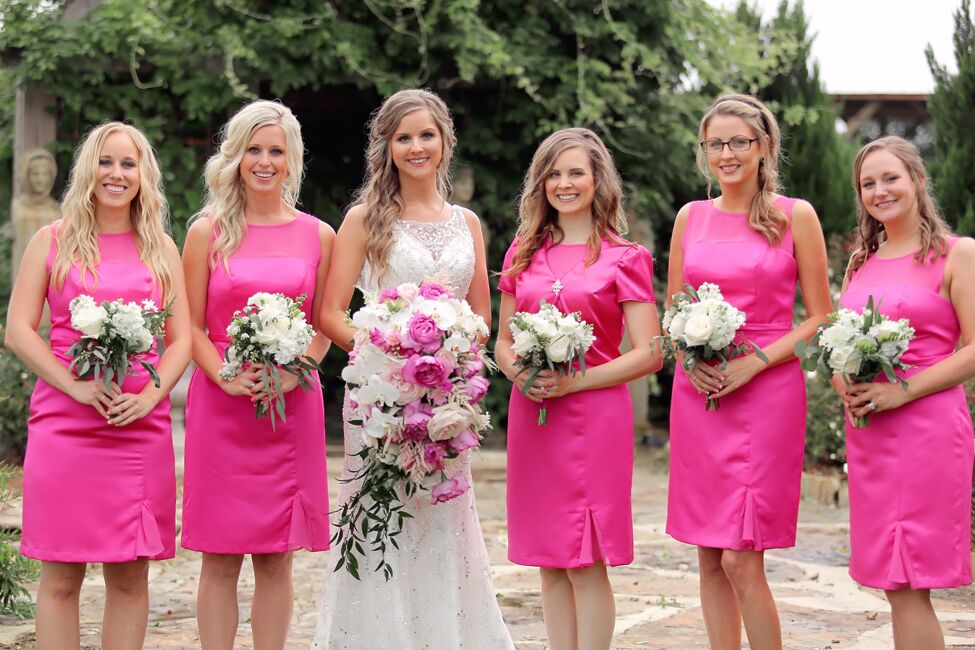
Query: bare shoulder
x,y
200,228
804,214
681,218
170,246
325,231
470,218
962,254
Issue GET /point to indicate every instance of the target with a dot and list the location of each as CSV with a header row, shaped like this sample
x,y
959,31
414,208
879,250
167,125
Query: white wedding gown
x,y
440,596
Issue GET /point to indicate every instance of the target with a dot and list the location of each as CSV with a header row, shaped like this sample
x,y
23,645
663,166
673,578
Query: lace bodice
x,y
422,250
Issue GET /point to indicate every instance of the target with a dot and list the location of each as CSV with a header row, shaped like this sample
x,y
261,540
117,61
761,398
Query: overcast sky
x,y
876,46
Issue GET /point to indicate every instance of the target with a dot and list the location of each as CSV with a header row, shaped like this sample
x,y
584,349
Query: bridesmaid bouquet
x,y
549,339
703,326
112,334
414,387
859,346
271,331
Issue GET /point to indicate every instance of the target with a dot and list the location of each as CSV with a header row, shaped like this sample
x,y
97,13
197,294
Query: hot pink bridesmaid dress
x,y
248,488
735,473
95,492
910,469
569,480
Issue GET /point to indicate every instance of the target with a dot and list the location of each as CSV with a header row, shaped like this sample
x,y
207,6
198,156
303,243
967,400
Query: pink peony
x,y
464,440
432,290
433,456
423,333
477,387
472,367
416,416
426,370
389,294
449,489
376,338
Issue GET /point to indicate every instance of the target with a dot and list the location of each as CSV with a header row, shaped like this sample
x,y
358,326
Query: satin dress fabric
x,y
569,480
93,491
735,473
910,468
248,488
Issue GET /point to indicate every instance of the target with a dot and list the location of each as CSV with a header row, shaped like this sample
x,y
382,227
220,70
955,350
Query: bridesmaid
x,y
249,488
911,467
569,480
99,476
735,472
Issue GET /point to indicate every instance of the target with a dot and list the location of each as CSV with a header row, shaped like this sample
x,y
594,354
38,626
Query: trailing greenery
x,y
15,569
951,103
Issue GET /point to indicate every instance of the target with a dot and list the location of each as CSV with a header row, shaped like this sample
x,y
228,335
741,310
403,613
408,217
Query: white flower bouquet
x,y
415,388
704,327
549,339
858,346
112,335
270,331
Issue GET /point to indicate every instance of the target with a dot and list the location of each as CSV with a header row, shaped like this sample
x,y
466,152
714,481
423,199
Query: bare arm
x,y
24,315
127,407
349,253
320,344
810,253
959,283
675,263
479,294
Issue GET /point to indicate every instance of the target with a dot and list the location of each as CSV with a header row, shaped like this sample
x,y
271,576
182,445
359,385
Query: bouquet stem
x,y
860,421
712,403
542,415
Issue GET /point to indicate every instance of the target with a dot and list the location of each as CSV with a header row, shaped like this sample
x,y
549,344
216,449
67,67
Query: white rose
x,y
846,360
89,320
698,329
558,349
380,424
545,328
271,331
677,324
524,341
447,421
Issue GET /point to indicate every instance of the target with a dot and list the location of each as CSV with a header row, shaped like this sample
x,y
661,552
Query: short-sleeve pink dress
x,y
911,467
248,488
735,473
95,492
569,480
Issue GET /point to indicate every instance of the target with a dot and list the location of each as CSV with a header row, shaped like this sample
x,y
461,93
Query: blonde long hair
x,y
380,190
538,220
77,236
225,199
870,233
763,216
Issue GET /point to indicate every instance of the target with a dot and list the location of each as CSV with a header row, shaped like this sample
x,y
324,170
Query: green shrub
x,y
15,569
825,432
16,385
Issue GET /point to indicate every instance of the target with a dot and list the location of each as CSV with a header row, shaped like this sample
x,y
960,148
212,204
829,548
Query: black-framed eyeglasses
x,y
738,143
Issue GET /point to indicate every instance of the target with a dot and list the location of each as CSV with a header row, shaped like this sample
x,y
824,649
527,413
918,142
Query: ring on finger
x,y
872,406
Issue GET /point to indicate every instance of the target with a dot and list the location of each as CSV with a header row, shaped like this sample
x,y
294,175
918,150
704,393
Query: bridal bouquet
x,y
858,346
414,389
270,331
549,339
112,334
703,326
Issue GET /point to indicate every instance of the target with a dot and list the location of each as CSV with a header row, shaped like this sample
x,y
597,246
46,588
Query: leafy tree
x,y
638,73
818,160
953,164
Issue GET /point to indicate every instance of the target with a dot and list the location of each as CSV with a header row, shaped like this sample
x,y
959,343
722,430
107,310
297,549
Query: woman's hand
x,y
737,373
287,384
873,397
94,393
242,384
129,407
549,385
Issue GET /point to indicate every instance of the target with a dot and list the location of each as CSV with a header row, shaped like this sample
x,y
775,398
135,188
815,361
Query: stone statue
x,y
33,207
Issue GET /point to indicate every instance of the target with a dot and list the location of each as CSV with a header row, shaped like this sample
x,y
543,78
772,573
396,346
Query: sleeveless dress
x,y
569,480
441,595
248,488
910,468
95,492
735,473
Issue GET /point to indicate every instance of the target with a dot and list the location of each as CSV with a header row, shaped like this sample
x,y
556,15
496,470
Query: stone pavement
x,y
656,596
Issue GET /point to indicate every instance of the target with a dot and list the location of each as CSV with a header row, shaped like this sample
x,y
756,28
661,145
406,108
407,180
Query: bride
x,y
403,230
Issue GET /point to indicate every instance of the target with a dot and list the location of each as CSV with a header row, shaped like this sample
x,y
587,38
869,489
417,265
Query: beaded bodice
x,y
422,250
